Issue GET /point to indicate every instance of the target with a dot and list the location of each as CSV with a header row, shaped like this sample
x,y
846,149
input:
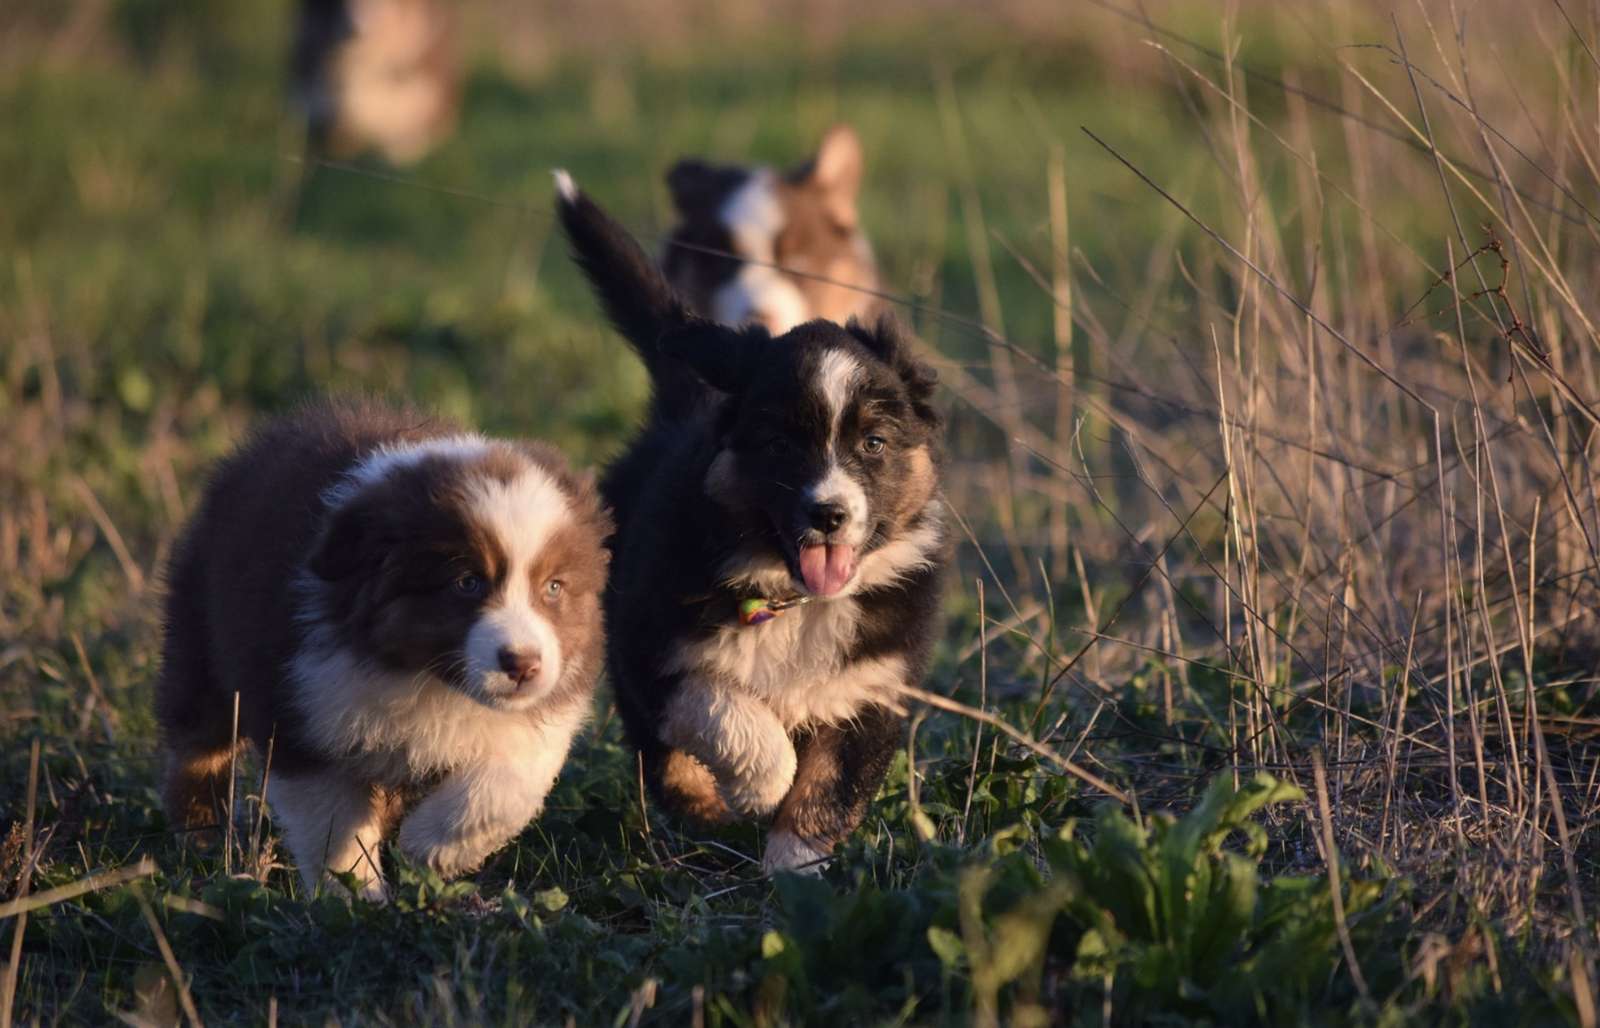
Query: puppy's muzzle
x,y
519,664
827,516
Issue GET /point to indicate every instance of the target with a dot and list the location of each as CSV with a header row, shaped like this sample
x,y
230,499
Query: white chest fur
x,y
401,727
796,665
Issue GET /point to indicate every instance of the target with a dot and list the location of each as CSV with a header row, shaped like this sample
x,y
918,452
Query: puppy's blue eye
x,y
553,588
469,585
873,444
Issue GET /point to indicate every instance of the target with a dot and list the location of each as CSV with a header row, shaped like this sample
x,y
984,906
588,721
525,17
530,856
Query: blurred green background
x,y
160,222
173,266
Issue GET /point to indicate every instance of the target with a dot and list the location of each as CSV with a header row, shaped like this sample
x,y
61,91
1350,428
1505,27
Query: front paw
x,y
756,789
443,852
787,851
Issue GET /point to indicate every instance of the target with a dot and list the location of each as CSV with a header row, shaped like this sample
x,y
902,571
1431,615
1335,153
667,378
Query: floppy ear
x,y
836,173
697,188
635,296
724,358
889,343
349,541
689,184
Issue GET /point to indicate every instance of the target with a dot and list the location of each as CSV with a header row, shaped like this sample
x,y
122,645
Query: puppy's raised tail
x,y
633,292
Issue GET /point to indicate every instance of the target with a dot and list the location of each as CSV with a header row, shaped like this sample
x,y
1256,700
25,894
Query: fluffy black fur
x,y
683,534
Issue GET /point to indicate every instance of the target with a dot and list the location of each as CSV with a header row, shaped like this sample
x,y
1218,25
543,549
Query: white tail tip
x,y
565,187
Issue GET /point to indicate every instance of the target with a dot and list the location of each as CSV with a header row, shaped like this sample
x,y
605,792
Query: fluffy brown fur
x,y
404,612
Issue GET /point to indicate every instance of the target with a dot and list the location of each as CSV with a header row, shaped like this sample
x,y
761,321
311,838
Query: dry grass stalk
x,y
233,778
179,980
113,537
1330,854
1024,740
143,868
8,988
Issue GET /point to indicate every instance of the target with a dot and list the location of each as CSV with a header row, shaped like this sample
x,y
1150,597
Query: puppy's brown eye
x,y
469,585
873,444
552,588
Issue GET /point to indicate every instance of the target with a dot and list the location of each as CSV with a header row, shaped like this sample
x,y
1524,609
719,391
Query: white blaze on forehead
x,y
522,515
754,217
753,214
838,374
390,458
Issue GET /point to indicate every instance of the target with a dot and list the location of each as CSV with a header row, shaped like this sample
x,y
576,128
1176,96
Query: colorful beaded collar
x,y
759,609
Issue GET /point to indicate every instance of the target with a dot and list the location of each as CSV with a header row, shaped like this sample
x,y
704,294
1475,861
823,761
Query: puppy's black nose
x,y
520,665
827,516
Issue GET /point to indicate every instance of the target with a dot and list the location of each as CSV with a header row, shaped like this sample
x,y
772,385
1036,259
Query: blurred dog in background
x,y
760,246
376,75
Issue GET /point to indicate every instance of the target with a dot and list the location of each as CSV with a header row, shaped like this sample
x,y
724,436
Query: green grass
x,y
169,271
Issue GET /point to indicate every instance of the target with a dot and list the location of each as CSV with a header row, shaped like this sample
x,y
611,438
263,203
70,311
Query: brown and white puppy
x,y
755,245
777,565
376,75
410,619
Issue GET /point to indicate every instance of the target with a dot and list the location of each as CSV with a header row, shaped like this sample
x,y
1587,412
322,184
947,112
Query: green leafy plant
x,y
1164,917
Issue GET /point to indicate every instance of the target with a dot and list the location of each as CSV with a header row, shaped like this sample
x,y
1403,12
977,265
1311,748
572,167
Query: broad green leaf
x,y
551,899
947,946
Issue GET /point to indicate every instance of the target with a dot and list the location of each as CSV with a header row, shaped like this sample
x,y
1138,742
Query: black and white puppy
x,y
409,617
777,565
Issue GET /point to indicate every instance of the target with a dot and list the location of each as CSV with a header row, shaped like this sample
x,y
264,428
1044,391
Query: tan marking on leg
x,y
691,790
738,738
195,787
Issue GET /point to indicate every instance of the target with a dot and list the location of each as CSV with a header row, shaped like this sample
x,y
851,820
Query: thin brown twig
x,y
8,988
1335,884
113,537
61,893
1022,738
185,999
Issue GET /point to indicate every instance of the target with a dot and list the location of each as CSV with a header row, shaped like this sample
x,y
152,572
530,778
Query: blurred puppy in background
x,y
408,618
795,237
376,75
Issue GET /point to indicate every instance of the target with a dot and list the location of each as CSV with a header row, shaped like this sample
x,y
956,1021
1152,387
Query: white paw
x,y
448,854
788,852
757,790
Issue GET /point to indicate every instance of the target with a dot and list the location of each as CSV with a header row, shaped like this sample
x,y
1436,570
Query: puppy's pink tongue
x,y
826,569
